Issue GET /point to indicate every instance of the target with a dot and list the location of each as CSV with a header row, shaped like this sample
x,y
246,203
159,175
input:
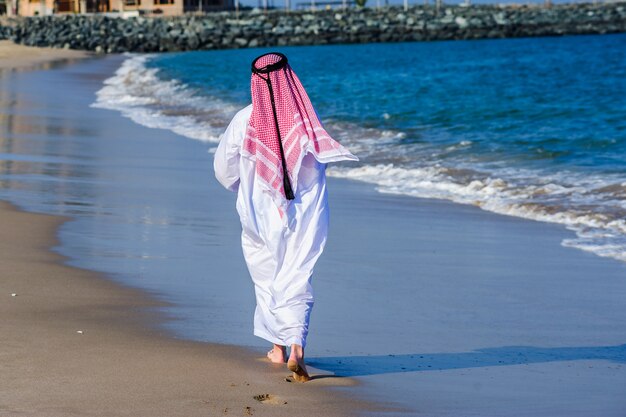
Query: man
x,y
274,154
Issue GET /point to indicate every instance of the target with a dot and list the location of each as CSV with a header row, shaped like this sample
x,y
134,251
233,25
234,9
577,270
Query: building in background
x,y
126,7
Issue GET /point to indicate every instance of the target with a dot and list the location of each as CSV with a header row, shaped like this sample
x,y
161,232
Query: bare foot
x,y
296,364
278,354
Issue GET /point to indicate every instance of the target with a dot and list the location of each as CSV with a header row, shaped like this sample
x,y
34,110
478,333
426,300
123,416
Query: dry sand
x,y
20,56
75,344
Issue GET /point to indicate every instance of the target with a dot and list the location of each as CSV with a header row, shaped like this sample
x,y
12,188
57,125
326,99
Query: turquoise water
x,y
534,128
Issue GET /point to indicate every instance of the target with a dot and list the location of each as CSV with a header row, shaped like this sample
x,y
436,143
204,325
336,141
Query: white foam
x,y
139,94
570,204
592,206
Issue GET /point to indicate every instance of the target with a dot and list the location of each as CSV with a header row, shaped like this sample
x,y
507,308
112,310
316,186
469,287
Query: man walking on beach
x,y
274,154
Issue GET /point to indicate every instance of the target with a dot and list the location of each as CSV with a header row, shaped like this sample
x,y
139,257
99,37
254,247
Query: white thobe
x,y
280,251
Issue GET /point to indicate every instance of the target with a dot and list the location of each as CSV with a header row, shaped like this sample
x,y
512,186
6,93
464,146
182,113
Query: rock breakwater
x,y
278,28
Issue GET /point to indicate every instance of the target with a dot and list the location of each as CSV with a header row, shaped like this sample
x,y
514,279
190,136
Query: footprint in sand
x,y
269,399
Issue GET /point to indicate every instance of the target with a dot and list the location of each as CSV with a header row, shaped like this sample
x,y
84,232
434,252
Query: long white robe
x,y
280,250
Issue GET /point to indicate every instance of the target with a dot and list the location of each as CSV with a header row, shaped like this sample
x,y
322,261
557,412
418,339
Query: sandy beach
x,y
13,56
77,344
432,308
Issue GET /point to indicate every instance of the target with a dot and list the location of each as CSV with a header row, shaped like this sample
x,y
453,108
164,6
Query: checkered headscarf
x,y
290,122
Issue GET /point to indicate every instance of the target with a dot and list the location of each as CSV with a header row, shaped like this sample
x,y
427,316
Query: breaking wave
x,y
137,92
593,208
593,205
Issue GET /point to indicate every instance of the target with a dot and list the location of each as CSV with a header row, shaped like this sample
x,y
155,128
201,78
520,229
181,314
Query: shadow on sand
x,y
349,366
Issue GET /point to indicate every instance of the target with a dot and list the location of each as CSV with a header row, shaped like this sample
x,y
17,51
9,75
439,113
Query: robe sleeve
x,y
226,162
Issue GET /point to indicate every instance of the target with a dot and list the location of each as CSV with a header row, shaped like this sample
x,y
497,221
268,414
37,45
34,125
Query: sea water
x,y
534,128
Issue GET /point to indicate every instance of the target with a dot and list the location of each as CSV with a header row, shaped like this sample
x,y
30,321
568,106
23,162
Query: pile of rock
x,y
5,32
276,28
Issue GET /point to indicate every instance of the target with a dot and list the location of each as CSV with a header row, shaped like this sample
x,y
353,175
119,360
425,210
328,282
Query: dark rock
x,y
276,27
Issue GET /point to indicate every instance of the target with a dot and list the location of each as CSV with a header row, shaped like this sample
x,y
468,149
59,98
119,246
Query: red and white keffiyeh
x,y
300,129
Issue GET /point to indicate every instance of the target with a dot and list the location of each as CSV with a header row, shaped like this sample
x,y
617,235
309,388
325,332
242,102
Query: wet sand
x,y
77,344
74,343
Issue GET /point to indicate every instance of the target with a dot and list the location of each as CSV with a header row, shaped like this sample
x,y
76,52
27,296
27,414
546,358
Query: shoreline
x,y
79,343
20,57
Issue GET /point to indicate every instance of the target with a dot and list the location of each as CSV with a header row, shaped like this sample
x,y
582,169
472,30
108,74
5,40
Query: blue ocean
x,y
534,128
